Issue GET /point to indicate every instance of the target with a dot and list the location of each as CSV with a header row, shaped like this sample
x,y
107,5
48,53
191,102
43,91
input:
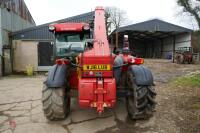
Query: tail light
x,y
62,62
136,61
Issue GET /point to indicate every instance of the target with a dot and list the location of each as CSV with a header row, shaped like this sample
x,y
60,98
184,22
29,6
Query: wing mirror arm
x,y
89,43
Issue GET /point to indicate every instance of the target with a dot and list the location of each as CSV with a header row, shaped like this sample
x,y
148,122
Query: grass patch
x,y
191,80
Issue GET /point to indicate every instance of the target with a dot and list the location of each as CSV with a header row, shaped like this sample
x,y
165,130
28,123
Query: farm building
x,y
153,39
14,16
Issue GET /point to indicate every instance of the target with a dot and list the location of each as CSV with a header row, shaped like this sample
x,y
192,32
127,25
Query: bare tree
x,y
115,18
192,7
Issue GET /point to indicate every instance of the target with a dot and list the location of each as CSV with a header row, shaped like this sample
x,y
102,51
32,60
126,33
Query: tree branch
x,y
187,7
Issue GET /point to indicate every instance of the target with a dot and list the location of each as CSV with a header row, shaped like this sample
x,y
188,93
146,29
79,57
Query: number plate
x,y
96,67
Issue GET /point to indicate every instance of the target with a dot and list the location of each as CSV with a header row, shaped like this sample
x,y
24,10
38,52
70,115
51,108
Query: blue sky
x,y
44,11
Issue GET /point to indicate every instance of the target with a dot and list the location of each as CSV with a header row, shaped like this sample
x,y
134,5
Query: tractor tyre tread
x,y
141,104
55,103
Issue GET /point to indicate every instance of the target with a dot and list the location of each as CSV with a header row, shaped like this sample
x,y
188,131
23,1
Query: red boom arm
x,y
97,91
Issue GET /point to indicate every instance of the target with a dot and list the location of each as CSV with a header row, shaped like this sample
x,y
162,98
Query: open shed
x,y
153,39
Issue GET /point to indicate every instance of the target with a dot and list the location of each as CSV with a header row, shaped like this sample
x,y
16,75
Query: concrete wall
x,y
24,53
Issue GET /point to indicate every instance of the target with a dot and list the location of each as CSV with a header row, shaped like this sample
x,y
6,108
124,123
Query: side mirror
x,y
89,43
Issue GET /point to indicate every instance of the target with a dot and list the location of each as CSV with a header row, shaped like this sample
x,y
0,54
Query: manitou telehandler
x,y
84,63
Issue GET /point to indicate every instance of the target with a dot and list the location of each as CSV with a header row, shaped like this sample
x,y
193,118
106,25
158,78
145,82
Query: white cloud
x,y
44,11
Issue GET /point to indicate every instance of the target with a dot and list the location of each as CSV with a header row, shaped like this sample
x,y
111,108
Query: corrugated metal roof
x,y
153,26
41,32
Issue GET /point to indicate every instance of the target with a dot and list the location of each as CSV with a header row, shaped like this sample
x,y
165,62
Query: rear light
x,y
136,61
59,62
131,61
139,61
62,62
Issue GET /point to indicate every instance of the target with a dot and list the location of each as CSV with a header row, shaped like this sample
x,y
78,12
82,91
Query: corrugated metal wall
x,y
12,22
14,16
42,32
18,7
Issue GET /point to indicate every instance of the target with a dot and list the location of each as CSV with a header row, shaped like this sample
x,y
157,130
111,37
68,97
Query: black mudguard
x,y
57,76
117,72
143,75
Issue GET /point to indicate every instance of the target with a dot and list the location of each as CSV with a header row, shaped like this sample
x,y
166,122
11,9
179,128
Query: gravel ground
x,y
21,108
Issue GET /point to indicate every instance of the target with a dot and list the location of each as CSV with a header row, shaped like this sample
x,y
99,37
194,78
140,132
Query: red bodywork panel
x,y
63,27
73,79
98,92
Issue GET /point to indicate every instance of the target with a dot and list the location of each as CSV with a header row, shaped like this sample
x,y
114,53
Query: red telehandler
x,y
84,63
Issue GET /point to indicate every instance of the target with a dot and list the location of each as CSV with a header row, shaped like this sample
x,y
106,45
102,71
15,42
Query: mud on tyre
x,y
140,102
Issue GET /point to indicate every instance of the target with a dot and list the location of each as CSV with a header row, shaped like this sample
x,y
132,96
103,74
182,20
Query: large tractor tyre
x,y
56,103
140,103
